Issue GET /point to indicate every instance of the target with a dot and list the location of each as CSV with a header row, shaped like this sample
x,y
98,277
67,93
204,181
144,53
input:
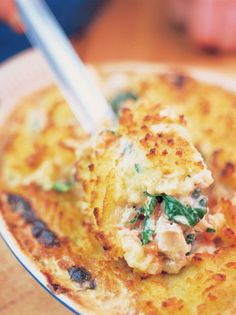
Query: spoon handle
x,y
78,87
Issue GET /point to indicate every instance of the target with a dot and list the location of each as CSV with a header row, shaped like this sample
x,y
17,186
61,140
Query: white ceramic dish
x,y
28,73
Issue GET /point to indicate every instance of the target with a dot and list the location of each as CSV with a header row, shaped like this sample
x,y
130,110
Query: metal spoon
x,y
77,86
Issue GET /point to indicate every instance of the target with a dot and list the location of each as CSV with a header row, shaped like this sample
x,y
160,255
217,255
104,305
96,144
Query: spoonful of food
x,y
78,87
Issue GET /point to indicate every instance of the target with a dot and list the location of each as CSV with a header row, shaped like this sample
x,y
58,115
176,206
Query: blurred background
x,y
200,32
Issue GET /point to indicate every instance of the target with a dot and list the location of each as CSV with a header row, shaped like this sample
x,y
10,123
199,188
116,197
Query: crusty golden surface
x,y
209,110
37,142
207,286
148,151
214,109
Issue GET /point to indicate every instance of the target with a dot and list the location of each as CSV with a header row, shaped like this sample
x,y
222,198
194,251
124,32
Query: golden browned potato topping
x,y
209,110
45,210
143,181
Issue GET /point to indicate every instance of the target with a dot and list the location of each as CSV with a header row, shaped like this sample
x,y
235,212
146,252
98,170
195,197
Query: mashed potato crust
x,y
205,287
149,151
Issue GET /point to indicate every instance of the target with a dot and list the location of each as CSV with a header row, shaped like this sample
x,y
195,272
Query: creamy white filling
x,y
173,250
135,254
170,239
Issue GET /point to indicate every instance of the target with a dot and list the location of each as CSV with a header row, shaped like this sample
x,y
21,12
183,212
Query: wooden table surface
x,y
124,30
